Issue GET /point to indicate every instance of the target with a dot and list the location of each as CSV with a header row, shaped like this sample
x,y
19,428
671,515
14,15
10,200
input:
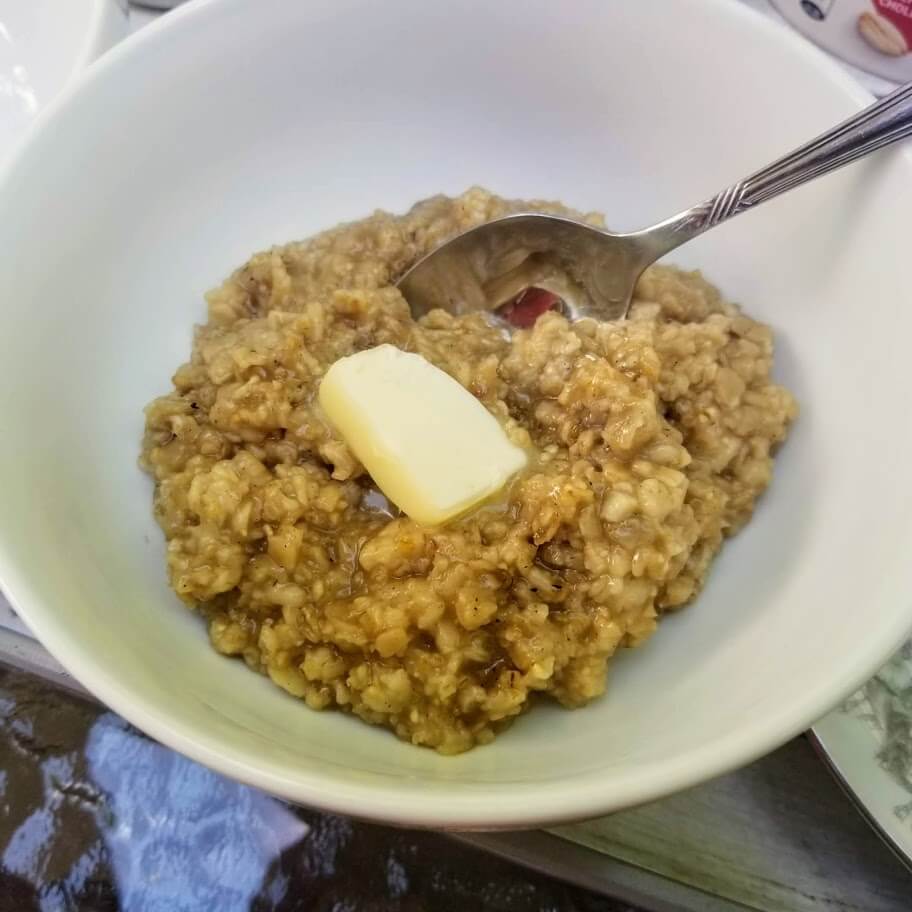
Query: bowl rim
x,y
105,25
523,805
104,15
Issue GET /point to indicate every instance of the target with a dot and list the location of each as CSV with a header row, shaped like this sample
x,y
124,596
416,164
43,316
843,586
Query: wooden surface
x,y
776,836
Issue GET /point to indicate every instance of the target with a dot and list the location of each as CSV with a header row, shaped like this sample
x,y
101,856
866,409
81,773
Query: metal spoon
x,y
594,272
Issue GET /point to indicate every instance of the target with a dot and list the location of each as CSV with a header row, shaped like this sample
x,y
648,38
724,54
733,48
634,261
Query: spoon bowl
x,y
594,272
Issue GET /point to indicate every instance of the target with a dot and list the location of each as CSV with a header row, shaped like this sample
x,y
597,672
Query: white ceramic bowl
x,y
42,44
231,125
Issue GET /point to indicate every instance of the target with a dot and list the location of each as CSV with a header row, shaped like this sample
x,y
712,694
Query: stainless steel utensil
x,y
593,271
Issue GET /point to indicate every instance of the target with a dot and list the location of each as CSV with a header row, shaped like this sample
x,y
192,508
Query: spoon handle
x,y
878,125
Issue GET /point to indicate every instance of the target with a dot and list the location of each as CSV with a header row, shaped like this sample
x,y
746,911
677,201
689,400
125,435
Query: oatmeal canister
x,y
875,35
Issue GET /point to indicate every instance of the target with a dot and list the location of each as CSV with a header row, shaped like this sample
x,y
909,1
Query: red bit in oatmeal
x,y
654,439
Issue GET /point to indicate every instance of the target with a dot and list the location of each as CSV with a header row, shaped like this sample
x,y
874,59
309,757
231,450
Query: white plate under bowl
x,y
43,43
228,126
866,742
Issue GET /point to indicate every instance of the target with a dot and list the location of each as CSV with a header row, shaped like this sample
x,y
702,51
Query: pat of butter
x,y
428,443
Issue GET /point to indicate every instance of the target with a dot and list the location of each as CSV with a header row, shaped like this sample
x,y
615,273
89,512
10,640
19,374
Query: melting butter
x,y
430,446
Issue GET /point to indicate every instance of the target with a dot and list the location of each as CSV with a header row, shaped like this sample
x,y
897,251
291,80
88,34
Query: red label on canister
x,y
875,35
895,25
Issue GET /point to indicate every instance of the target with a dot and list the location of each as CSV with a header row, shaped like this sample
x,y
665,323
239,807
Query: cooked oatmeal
x,y
651,439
